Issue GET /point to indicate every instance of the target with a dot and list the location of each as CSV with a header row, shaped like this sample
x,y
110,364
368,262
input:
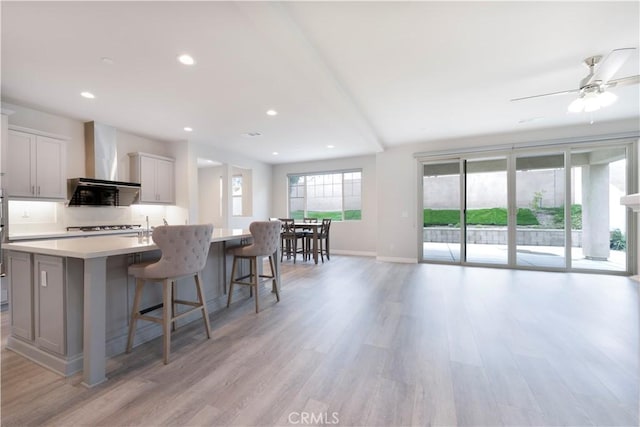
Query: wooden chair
x,y
184,254
308,235
289,237
266,238
323,239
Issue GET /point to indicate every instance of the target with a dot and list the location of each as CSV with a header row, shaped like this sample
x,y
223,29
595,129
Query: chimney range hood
x,y
101,186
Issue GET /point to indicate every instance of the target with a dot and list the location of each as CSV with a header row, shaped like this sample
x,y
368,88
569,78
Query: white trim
x,y
397,259
39,132
154,156
353,253
619,137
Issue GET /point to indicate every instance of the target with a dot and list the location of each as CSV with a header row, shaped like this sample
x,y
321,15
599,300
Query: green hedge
x,y
492,216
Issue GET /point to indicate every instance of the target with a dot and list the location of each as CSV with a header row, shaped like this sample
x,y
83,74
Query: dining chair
x,y
308,235
184,250
323,239
289,237
266,238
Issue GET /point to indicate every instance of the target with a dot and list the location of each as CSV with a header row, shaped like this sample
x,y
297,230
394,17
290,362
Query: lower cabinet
x,y
49,307
45,303
19,273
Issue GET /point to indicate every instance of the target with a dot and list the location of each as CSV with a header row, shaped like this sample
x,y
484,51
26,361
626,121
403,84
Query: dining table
x,y
316,229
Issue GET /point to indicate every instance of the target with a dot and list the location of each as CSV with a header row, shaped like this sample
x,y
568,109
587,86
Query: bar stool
x,y
266,239
184,254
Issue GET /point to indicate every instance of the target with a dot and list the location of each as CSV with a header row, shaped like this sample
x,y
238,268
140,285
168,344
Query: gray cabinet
x,y
46,302
36,165
49,293
156,174
19,272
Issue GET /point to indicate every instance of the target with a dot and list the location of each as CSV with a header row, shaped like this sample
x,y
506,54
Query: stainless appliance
x,y
101,187
98,192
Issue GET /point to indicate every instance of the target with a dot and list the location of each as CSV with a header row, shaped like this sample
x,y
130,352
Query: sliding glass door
x,y
540,203
556,208
486,211
441,212
599,180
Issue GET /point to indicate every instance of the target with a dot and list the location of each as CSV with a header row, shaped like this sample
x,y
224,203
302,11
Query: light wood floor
x,y
378,344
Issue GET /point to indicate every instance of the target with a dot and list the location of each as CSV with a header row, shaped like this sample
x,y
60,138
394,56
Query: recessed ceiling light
x,y
331,146
272,113
186,59
275,153
188,129
107,60
87,95
251,134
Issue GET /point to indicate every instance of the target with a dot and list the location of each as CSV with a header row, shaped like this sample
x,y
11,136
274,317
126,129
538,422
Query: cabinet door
x,y
148,179
49,303
21,172
20,294
165,181
50,168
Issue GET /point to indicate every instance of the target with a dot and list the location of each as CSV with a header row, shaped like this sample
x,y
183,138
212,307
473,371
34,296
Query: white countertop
x,y
68,234
103,246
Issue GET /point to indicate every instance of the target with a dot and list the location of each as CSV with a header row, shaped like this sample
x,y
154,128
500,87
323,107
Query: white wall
x,y
209,198
41,217
260,187
398,175
354,237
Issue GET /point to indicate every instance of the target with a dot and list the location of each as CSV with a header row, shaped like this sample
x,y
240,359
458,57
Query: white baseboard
x,y
352,253
397,259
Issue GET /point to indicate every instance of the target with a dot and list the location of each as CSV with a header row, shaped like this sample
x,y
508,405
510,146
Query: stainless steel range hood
x,y
101,187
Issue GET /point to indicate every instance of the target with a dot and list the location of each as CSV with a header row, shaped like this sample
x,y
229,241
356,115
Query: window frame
x,y
306,175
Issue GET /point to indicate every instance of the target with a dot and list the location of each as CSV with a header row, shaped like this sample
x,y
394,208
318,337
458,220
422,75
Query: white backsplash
x,y
27,217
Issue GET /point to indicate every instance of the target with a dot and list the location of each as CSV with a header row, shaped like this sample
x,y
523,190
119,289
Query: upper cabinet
x,y
156,174
36,165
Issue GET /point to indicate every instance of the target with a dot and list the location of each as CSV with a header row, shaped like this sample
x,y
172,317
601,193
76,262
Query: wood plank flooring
x,y
361,342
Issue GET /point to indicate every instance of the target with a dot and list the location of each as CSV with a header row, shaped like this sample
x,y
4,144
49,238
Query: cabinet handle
x,y
33,190
38,190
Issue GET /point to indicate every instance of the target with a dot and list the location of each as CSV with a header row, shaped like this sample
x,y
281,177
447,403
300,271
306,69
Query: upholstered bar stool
x,y
266,239
184,254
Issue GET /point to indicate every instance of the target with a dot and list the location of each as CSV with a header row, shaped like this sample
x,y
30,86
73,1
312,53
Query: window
x,y
236,195
335,195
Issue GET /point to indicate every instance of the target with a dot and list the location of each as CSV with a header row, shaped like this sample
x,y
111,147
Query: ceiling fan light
x,y
577,105
591,103
607,98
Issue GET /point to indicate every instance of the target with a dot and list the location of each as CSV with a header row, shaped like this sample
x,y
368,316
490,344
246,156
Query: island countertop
x,y
104,246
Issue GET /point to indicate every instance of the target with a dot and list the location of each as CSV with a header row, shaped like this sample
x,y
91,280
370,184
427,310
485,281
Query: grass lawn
x,y
492,216
349,215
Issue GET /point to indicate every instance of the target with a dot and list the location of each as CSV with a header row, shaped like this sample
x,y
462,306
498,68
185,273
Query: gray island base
x,y
70,299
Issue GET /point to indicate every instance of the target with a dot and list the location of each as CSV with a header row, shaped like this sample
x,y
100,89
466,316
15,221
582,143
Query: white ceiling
x,y
361,76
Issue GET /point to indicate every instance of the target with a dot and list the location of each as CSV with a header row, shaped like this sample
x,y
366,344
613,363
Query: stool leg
x,y
205,313
166,319
134,313
233,277
254,277
173,305
275,282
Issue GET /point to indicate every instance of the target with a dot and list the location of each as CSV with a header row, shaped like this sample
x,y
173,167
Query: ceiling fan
x,y
592,92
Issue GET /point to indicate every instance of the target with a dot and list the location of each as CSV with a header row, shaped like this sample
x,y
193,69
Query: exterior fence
x,y
498,236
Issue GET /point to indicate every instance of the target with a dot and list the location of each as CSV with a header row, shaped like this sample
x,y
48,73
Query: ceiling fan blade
x,y
631,80
611,64
564,92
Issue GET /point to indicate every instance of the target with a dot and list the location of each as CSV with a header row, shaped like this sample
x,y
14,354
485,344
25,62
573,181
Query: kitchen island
x,y
71,298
